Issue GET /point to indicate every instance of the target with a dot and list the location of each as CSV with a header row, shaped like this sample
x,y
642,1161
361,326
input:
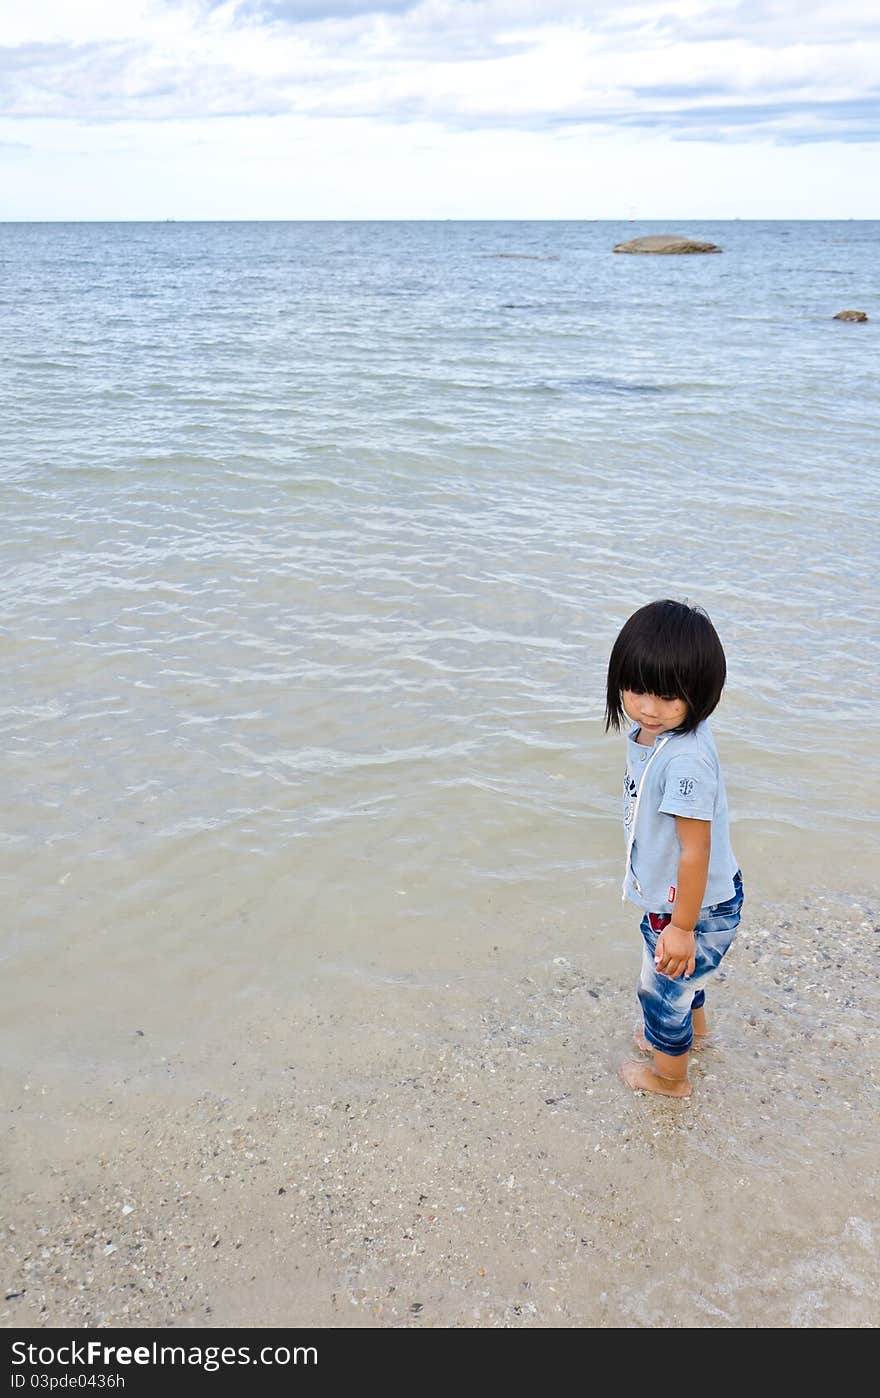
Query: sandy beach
x,y
465,1156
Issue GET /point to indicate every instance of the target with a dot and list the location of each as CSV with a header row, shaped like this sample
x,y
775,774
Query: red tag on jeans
x,y
658,921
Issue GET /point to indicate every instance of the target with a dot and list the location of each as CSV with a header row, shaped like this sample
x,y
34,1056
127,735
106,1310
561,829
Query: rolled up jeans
x,y
668,1005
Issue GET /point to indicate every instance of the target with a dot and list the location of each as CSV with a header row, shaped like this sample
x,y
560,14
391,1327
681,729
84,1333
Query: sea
x,y
315,539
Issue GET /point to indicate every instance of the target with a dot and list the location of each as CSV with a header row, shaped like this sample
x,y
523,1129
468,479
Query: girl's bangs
x,y
652,674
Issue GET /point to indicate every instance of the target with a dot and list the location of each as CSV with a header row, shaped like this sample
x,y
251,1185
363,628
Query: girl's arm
x,y
675,952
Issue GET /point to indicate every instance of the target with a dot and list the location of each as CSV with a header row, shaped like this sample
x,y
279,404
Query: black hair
x,y
670,649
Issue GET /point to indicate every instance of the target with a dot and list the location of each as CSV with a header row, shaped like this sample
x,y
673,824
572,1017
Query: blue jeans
x,y
667,1005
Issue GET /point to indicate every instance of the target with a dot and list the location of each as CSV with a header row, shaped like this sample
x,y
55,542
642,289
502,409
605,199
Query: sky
x,y
395,109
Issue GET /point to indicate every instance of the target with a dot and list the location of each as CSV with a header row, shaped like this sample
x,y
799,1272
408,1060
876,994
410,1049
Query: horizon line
x,y
624,218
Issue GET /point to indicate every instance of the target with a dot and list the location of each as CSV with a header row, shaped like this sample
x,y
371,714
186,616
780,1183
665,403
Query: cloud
x,y
300,11
774,24
707,69
787,123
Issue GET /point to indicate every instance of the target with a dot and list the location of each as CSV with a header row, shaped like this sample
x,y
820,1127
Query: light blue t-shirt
x,y
682,776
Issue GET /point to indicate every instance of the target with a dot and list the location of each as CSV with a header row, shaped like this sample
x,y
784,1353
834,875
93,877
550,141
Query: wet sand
x,y
466,1157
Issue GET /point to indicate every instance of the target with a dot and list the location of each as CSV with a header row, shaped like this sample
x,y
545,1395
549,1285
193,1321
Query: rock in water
x,y
850,315
665,243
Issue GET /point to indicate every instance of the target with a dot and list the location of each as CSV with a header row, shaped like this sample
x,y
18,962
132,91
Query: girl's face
x,y
655,713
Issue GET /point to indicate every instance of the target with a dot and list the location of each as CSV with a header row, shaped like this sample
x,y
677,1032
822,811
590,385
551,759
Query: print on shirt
x,y
630,792
686,786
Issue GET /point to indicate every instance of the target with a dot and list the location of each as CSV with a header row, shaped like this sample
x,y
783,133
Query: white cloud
x,y
446,60
754,72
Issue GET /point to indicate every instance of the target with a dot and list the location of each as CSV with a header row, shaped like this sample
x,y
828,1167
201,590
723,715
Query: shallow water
x,y
316,537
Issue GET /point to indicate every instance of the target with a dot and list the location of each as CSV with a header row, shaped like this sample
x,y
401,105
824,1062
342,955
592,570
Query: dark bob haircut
x,y
671,650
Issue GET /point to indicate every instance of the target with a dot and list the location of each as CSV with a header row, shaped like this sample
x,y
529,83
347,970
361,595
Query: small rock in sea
x,y
668,243
851,315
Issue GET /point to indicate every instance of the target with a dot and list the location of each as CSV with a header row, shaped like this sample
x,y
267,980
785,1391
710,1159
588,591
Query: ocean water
x,y
315,540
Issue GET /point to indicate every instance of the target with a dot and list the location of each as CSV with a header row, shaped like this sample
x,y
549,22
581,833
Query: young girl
x,y
665,675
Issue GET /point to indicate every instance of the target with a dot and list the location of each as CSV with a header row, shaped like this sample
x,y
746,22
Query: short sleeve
x,y
689,787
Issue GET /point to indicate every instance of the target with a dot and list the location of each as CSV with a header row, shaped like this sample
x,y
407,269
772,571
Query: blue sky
x,y
440,109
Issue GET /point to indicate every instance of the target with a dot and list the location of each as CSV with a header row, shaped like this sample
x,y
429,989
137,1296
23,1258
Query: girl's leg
x,y
698,1019
666,1007
716,933
674,1009
698,1016
668,1075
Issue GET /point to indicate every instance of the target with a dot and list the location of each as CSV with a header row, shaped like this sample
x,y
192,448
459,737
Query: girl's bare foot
x,y
642,1078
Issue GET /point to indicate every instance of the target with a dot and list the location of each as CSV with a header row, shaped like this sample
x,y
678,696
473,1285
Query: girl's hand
x,y
675,952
